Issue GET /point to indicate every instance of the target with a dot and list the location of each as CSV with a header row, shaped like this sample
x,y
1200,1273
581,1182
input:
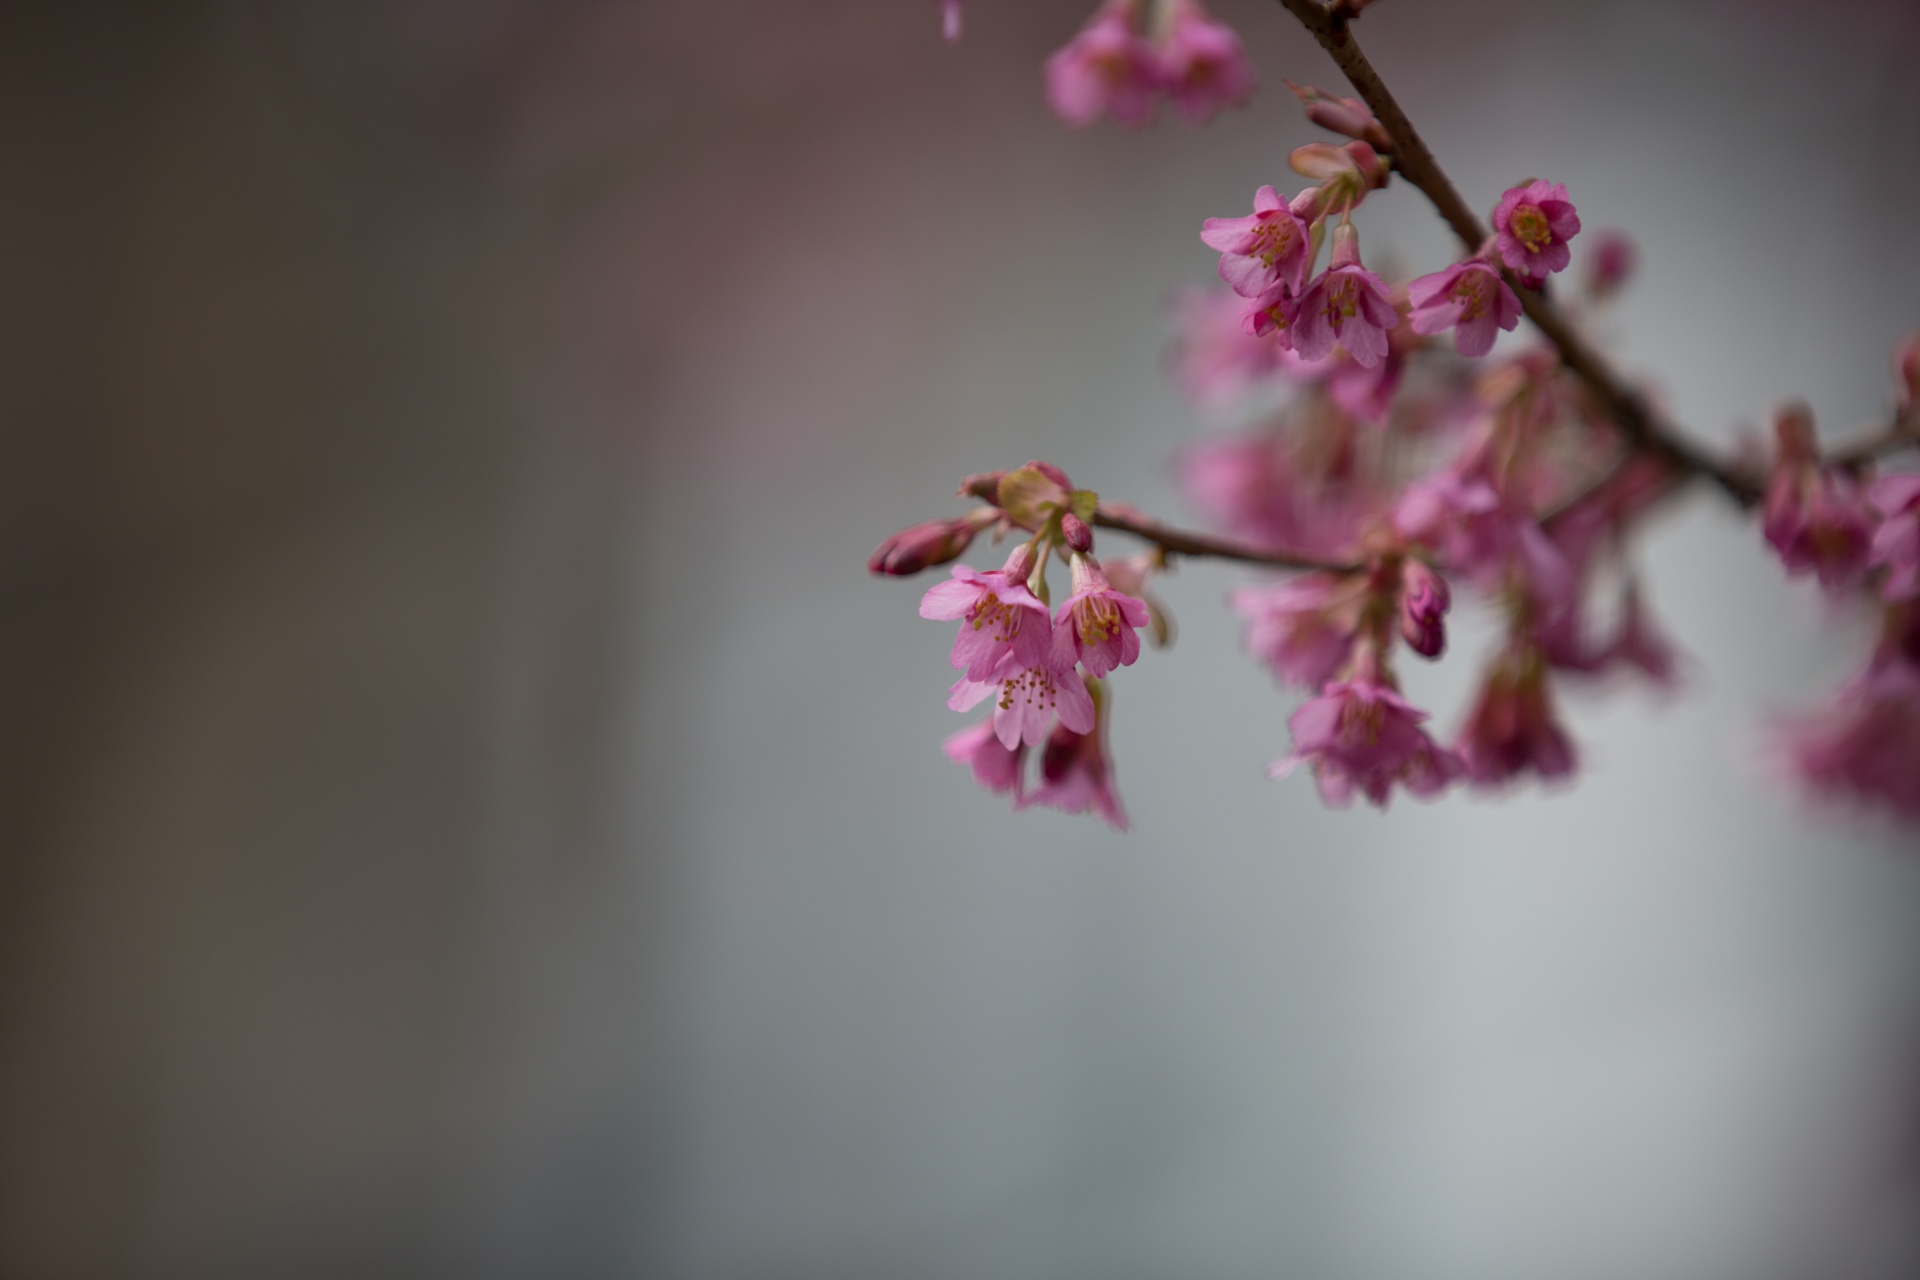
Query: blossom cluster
x,y
1130,55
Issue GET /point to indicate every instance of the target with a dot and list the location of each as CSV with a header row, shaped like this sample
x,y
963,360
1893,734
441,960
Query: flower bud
x,y
1052,473
922,546
1349,116
1346,246
1076,532
1424,600
1609,263
1368,163
1019,565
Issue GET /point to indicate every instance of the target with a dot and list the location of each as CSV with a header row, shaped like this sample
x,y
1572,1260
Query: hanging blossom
x,y
1815,517
1097,626
1896,543
996,766
1468,297
1531,225
1201,63
1001,621
1513,728
1111,67
1268,248
1361,736
1348,305
1075,774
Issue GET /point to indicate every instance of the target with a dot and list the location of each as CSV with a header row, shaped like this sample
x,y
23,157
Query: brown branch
x,y
1180,541
1903,432
1636,418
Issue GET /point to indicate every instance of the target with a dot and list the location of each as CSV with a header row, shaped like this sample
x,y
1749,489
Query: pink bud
x,y
1424,600
1076,532
1019,565
1342,115
1609,264
1052,473
922,546
984,485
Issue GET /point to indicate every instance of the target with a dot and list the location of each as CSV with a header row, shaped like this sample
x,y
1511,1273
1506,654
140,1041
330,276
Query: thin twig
x,y
1903,432
1179,541
1636,418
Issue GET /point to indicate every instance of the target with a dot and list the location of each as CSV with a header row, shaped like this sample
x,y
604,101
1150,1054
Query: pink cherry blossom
x,y
1610,262
1096,626
1424,600
995,765
1865,746
1303,629
1001,622
1896,543
1202,66
1361,735
950,15
1107,68
1218,361
1468,297
1075,776
1025,701
922,546
1257,487
1268,248
1532,225
1347,304
1641,644
1512,728
1815,517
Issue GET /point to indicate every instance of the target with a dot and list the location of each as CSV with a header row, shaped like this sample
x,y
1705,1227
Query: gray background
x,y
468,813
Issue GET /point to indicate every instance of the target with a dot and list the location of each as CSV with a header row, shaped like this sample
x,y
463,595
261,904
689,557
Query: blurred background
x,y
466,811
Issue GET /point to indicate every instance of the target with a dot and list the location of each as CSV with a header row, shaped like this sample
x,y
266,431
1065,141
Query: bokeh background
x,y
465,810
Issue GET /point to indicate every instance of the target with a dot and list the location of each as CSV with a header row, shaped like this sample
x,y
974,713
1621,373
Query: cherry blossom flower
x,y
1269,247
1001,622
1532,225
1815,517
1865,745
1026,699
1201,63
1610,263
1303,629
1512,728
1896,543
995,765
1641,644
1348,305
1262,487
1096,626
1361,735
1468,297
1107,68
1217,360
950,16
1075,776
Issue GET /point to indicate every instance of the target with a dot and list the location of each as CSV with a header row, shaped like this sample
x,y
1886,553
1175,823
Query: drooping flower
x,y
1107,68
1424,599
1075,776
1267,248
1347,304
1201,62
1865,745
1481,535
1303,629
1216,358
1288,489
1610,262
1814,516
1641,644
995,765
1131,574
922,546
1025,702
1468,297
1096,625
1896,543
1532,225
1361,735
1512,728
1001,622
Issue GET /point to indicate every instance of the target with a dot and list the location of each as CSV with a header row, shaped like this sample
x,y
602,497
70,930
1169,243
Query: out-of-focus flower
x,y
1096,626
1001,622
922,546
1906,365
1468,297
995,766
1106,69
1279,488
1348,305
1424,600
1266,249
1075,776
1896,543
950,15
1025,702
1512,728
1814,516
1303,628
1532,224
1216,358
1361,735
1864,746
1610,262
1202,65
1641,644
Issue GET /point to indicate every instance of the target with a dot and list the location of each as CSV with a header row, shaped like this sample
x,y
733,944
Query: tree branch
x,y
1118,515
1412,158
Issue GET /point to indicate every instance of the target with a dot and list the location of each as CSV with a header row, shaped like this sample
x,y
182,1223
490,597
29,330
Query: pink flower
x,y
1866,745
1896,543
1217,359
1271,315
922,546
950,14
1255,486
1026,700
1814,516
1512,727
1481,535
1347,304
1075,776
1906,363
1532,225
995,765
1468,297
1424,600
1610,263
1362,735
1303,629
1001,623
1105,69
1096,625
1202,65
1265,249
1640,644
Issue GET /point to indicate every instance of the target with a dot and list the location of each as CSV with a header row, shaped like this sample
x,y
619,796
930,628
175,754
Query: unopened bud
x,y
1076,532
1019,566
1424,600
1307,205
922,546
1610,261
1906,362
984,485
1349,116
1367,161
